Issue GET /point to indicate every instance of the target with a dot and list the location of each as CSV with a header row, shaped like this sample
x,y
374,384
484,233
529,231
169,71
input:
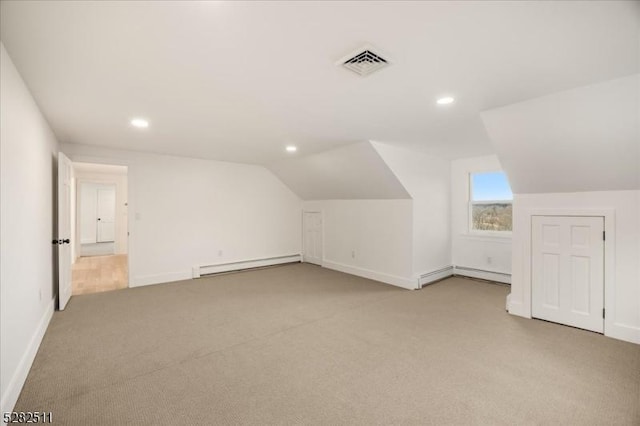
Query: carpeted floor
x,y
300,344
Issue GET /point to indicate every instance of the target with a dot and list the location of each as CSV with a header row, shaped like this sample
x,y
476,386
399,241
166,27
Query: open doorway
x,y
100,228
96,218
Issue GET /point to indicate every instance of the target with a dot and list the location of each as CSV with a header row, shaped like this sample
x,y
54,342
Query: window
x,y
490,204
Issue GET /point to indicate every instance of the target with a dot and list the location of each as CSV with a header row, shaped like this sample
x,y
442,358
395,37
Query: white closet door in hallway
x,y
106,214
97,212
568,270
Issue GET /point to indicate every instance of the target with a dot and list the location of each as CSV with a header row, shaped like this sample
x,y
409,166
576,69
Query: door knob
x,y
98,218
66,241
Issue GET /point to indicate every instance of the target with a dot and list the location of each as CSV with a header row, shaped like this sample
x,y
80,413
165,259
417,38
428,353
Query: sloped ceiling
x,y
238,81
585,139
352,172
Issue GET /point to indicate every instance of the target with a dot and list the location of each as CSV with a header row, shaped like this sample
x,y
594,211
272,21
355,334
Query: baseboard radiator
x,y
500,277
448,271
218,268
434,276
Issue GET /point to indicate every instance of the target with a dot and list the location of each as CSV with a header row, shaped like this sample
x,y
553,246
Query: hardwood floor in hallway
x,y
96,274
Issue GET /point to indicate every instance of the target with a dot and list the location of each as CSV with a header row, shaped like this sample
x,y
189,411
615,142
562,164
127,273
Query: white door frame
x,y
321,232
130,199
609,259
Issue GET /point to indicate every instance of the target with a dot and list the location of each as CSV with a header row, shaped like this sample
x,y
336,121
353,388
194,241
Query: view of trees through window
x,y
491,208
492,217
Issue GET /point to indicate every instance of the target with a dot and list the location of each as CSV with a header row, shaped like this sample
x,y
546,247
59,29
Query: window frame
x,y
471,203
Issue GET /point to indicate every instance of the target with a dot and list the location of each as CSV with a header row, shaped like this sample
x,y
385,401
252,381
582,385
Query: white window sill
x,y
488,236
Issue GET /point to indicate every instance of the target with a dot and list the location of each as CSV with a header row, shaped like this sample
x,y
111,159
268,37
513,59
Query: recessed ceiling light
x,y
446,100
140,123
291,148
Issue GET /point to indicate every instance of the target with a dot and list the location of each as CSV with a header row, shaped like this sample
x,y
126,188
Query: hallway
x,y
96,274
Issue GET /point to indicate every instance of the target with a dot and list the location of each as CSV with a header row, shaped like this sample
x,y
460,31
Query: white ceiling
x,y
351,172
238,81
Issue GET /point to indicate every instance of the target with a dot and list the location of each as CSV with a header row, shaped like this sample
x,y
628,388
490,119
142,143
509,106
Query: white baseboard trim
x,y
500,277
406,283
203,270
518,309
624,332
10,397
142,280
435,275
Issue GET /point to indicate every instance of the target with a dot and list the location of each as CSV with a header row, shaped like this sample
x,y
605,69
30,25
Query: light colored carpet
x,y
300,344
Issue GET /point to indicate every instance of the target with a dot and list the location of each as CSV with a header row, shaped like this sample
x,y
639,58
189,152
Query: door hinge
x,y
603,313
603,236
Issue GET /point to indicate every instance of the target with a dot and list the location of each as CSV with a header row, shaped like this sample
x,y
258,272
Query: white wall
x,y
186,212
369,238
622,252
469,250
428,180
584,139
28,150
120,181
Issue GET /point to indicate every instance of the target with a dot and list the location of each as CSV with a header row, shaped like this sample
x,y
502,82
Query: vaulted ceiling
x,y
356,171
238,81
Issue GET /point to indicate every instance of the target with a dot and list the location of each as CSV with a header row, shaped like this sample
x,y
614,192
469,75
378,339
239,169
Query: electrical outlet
x,y
40,295
353,254
220,253
489,260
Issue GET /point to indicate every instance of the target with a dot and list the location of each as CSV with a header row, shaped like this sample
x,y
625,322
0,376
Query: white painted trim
x,y
406,283
624,332
517,308
199,271
131,203
611,327
435,275
498,239
142,280
16,382
501,277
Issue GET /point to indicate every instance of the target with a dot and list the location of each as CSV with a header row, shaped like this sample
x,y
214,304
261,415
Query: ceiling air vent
x,y
364,61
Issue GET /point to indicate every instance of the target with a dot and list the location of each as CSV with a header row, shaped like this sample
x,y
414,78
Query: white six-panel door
x,y
568,270
312,230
